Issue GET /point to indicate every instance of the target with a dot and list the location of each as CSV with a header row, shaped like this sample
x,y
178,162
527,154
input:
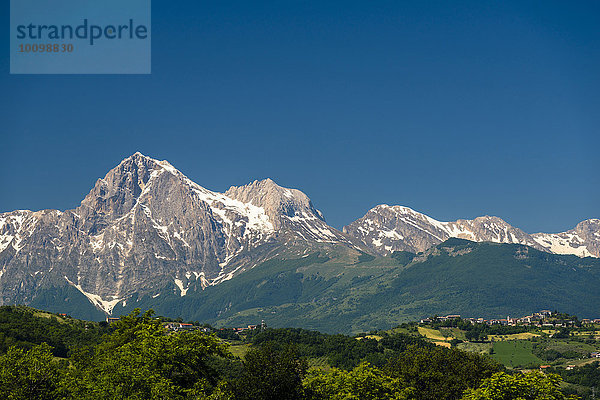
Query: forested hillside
x,y
339,293
26,327
138,358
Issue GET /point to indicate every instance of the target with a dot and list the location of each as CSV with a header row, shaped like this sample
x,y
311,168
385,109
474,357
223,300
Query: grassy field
x,y
587,333
481,348
400,330
432,334
516,350
49,315
376,337
515,353
576,348
578,363
453,333
239,350
514,336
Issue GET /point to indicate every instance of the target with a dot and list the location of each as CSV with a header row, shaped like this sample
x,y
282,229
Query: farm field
x,y
515,353
481,348
514,336
451,333
239,350
571,348
432,334
376,337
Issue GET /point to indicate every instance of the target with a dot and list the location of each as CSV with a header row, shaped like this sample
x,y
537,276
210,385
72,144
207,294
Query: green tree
x,y
364,382
141,361
440,373
29,375
475,336
530,386
269,373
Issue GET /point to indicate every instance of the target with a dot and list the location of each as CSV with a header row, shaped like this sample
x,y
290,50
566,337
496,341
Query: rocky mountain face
x,y
145,225
386,229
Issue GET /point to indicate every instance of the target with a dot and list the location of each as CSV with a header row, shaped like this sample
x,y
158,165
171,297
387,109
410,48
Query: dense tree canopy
x,y
341,351
364,382
21,327
271,374
440,373
29,374
139,360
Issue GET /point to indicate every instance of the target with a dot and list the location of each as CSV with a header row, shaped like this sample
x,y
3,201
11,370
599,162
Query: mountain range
x,y
386,229
147,235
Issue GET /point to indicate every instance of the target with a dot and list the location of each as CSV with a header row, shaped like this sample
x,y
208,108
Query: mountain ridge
x,y
385,229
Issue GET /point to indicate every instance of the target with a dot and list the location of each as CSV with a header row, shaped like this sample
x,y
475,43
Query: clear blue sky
x,y
456,109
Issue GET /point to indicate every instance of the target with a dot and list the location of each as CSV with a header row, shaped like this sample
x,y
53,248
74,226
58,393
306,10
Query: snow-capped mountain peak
x,y
144,224
393,228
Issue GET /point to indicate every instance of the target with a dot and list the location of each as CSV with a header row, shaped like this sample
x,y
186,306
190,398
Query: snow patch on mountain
x,y
564,244
106,305
179,284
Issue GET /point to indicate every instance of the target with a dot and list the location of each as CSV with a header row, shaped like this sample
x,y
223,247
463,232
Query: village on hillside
x,y
542,318
176,326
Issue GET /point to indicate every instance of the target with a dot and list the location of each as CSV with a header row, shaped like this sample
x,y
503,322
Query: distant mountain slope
x,y
342,293
144,224
385,229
